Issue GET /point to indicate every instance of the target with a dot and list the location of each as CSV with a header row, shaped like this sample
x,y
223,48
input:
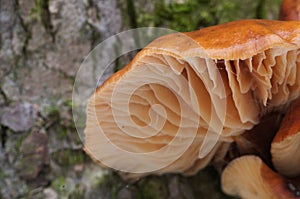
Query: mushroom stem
x,y
249,177
286,144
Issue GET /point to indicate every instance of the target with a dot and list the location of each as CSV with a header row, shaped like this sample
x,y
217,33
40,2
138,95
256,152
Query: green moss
x,y
107,186
206,184
78,192
26,166
180,16
59,185
68,191
38,7
19,143
68,103
194,14
62,133
41,13
3,175
51,110
14,141
152,188
67,157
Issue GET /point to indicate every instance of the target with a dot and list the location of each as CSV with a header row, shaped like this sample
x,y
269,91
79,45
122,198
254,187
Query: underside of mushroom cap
x,y
187,90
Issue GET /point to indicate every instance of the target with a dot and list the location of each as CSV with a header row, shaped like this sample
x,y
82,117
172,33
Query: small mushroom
x,y
290,10
183,89
285,147
249,177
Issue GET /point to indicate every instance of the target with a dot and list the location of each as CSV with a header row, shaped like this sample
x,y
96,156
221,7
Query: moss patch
x,y
59,185
78,192
107,186
206,184
67,157
152,188
188,15
41,10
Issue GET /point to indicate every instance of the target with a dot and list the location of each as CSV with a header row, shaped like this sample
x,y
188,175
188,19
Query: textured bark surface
x,y
42,44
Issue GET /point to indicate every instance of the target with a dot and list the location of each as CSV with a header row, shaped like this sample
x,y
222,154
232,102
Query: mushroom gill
x,y
185,94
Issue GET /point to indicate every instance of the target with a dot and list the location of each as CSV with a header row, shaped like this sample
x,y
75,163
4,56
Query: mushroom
x,y
257,141
249,177
286,144
186,94
290,10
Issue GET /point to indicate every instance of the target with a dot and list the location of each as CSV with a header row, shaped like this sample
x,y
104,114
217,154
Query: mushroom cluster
x,y
187,96
269,152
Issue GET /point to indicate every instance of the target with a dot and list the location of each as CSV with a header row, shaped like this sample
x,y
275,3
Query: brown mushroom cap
x,y
249,177
285,148
290,10
236,71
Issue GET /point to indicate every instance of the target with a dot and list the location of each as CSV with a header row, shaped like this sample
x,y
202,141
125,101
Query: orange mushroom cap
x,y
154,115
